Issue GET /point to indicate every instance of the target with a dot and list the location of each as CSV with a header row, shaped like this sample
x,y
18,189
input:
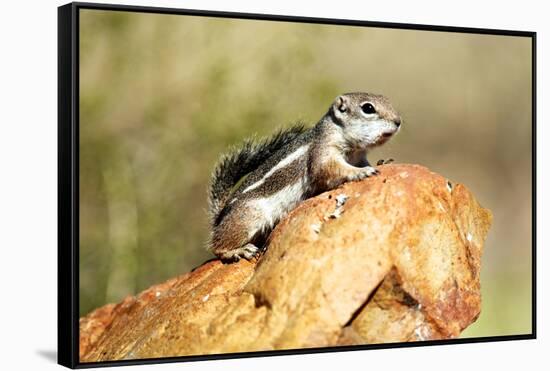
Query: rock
x,y
392,258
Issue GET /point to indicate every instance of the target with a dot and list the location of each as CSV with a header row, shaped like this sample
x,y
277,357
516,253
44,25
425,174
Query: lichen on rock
x,y
392,258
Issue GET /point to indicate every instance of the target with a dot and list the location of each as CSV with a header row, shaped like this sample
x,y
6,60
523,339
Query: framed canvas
x,y
240,185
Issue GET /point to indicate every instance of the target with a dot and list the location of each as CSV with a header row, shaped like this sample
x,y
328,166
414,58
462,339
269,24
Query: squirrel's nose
x,y
397,122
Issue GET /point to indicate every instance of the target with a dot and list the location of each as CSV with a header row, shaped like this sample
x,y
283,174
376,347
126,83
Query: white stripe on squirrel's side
x,y
284,162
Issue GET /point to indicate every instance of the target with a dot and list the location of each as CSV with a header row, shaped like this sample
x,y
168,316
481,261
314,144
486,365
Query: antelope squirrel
x,y
277,173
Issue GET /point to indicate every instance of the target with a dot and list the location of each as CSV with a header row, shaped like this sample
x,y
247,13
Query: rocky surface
x,y
392,258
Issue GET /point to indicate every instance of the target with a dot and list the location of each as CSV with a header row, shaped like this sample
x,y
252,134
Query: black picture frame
x,y
68,179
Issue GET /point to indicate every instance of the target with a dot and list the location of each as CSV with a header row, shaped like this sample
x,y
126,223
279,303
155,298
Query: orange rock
x,y
392,258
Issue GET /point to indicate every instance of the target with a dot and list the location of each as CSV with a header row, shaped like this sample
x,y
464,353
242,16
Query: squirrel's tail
x,y
242,160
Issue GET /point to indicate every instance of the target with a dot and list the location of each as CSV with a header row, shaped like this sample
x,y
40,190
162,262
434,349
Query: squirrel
x,y
255,185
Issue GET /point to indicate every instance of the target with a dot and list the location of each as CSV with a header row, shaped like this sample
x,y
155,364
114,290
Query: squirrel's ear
x,y
341,103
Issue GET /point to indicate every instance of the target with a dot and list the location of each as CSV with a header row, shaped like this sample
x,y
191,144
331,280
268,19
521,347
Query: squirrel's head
x,y
367,120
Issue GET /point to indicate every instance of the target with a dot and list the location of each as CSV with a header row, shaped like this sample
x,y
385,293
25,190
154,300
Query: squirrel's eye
x,y
368,108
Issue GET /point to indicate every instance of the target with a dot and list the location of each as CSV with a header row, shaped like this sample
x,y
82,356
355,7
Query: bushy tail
x,y
242,160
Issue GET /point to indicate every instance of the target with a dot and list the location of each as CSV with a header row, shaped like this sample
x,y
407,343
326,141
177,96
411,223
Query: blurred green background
x,y
161,96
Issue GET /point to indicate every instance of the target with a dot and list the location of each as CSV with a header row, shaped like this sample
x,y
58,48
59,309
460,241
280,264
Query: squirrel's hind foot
x,y
247,251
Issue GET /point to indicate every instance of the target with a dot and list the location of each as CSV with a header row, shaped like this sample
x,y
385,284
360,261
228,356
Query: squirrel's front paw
x,y
384,162
365,173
